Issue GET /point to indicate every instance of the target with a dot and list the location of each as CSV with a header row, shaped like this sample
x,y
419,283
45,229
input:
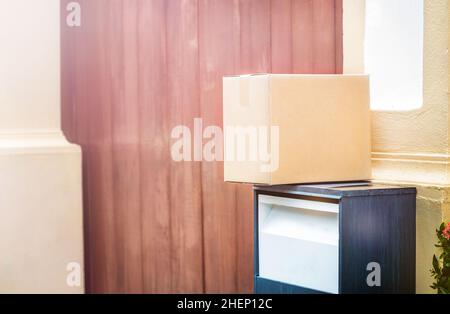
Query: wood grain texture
x,y
324,43
339,36
303,36
379,229
185,177
154,147
255,57
219,22
135,70
282,39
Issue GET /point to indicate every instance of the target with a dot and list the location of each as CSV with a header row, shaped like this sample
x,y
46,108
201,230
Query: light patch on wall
x,y
394,53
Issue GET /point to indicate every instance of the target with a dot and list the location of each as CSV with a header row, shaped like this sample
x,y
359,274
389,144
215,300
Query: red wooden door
x,y
134,70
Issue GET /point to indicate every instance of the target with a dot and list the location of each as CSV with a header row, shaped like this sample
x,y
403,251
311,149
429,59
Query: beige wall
x,y
41,230
412,147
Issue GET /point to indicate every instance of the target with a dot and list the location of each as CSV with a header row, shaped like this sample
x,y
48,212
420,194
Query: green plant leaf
x,y
436,266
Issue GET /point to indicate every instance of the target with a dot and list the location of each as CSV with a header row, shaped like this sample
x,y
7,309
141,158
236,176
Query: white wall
x,y
29,65
394,53
41,230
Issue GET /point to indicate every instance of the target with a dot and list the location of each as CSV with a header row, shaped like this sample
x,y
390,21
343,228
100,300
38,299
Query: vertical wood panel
x,y
281,30
185,188
256,57
100,174
244,231
324,60
255,36
155,147
219,42
338,36
302,36
84,100
126,163
132,72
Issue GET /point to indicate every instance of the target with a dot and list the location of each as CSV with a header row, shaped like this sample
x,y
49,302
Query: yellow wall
x,y
413,147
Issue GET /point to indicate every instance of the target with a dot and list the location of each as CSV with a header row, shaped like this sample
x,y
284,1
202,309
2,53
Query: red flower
x,y
446,232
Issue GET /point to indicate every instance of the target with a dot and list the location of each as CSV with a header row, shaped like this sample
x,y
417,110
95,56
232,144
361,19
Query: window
x,y
394,53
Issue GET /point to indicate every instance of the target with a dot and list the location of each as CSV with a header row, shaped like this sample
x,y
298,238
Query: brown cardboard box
x,y
286,129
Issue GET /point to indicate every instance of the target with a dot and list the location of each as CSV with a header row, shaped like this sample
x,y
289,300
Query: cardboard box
x,y
286,129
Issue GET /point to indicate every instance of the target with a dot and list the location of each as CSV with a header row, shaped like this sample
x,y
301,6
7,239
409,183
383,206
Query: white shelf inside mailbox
x,y
299,203
299,242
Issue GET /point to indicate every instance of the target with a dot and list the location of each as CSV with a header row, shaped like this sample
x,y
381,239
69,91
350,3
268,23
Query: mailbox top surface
x,y
338,190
